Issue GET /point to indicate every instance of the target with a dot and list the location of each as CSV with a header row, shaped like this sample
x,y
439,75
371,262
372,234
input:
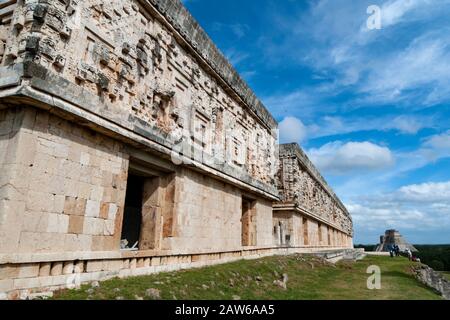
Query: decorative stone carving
x,y
302,185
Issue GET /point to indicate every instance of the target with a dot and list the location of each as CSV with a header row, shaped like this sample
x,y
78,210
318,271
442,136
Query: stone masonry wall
x,y
64,190
318,234
301,185
143,71
62,187
208,216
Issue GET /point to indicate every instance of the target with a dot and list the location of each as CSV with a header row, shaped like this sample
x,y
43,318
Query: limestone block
x,y
114,265
105,243
156,262
84,158
39,201
44,269
8,272
76,224
93,266
35,221
45,146
112,212
68,267
26,150
84,190
11,217
61,150
71,188
104,208
61,280
75,152
96,193
109,228
106,179
41,242
6,285
74,206
28,270
58,223
79,267
69,169
31,283
57,269
58,205
93,226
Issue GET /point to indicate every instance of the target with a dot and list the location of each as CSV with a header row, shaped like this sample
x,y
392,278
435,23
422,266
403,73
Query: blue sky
x,y
370,107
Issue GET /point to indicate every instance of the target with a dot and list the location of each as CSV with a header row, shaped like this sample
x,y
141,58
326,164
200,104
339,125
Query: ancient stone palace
x,y
129,145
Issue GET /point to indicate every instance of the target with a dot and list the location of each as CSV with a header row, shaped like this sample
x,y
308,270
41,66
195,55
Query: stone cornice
x,y
185,24
294,150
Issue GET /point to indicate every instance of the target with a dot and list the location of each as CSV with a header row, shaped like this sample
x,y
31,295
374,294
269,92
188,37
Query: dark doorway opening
x,y
132,218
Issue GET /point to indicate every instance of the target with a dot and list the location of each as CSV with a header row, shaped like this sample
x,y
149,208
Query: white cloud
x,y
394,11
339,158
405,124
418,208
286,104
292,130
385,66
441,141
423,64
433,148
426,192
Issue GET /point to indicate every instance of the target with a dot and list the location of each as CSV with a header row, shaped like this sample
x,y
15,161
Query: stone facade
x,y
309,213
130,145
65,185
391,238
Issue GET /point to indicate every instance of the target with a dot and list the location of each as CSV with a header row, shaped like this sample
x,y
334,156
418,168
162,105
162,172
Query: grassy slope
x,y
447,275
309,278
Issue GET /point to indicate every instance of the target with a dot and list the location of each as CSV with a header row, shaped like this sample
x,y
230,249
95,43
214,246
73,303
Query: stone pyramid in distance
x,y
392,237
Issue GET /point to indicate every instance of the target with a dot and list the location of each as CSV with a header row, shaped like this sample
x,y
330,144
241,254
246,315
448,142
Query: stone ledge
x,y
302,211
16,258
51,91
100,270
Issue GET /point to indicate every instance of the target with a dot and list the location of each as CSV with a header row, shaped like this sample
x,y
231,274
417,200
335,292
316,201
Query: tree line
x,y
435,256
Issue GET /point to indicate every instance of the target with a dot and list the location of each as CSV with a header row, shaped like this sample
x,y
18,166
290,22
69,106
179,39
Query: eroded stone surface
x,y
94,93
302,185
141,71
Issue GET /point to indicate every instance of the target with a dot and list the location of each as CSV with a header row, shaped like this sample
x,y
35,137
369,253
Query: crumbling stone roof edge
x,y
294,149
182,21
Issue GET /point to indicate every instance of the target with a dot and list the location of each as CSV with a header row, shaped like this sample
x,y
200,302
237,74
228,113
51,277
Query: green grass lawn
x,y
309,278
